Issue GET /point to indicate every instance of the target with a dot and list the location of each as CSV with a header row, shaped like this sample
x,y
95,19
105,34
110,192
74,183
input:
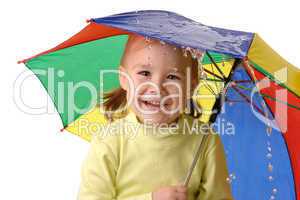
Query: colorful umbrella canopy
x,y
263,154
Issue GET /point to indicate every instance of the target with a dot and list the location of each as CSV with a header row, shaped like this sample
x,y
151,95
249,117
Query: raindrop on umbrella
x,y
269,155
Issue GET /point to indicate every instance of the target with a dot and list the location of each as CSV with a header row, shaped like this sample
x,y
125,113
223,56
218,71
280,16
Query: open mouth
x,y
153,105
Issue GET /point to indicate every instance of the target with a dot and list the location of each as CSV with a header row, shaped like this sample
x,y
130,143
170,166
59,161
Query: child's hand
x,y
170,193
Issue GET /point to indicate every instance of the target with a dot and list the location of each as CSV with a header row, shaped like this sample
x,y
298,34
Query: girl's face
x,y
159,80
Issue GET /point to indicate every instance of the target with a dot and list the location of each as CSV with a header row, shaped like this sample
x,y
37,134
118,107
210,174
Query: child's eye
x,y
173,77
144,73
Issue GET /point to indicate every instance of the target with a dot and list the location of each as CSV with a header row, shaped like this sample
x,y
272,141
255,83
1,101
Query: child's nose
x,y
159,85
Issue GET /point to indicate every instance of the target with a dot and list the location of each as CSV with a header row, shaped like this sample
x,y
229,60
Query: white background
x,y
39,162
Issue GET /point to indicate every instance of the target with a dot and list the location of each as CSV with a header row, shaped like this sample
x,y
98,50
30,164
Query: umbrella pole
x,y
195,159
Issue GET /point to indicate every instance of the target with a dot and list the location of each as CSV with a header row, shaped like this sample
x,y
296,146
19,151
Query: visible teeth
x,y
154,102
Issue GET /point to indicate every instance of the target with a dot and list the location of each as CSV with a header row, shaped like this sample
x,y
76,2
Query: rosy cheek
x,y
174,89
139,86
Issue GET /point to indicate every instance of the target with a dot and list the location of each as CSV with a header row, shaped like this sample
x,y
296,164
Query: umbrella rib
x,y
211,73
248,100
252,75
243,81
243,87
280,101
216,65
271,98
209,88
250,67
214,77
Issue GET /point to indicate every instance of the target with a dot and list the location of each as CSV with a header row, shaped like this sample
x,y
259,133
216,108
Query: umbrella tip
x,y
21,61
62,129
88,20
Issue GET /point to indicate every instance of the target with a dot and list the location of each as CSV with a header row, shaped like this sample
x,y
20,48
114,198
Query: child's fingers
x,y
181,196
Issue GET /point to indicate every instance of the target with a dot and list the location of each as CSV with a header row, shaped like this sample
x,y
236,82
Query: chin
x,y
160,118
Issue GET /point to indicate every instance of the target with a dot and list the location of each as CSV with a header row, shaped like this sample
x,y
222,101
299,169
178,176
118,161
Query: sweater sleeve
x,y
214,185
98,175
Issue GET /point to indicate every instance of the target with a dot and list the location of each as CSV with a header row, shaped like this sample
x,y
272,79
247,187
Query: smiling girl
x,y
156,82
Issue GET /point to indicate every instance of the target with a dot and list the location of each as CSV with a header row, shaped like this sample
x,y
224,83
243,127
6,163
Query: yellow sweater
x,y
127,161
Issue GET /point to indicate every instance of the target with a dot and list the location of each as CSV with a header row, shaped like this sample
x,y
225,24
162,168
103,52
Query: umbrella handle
x,y
195,159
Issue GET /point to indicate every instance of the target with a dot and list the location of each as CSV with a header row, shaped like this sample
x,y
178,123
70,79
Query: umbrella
x,y
262,155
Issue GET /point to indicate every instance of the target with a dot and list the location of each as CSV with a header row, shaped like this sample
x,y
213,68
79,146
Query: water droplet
x,y
199,55
269,130
203,75
232,176
147,39
270,178
274,190
185,53
269,149
193,52
188,48
149,46
272,197
270,167
228,180
269,155
162,42
196,53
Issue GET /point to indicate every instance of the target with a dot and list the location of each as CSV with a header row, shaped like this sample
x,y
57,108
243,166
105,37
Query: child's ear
x,y
123,78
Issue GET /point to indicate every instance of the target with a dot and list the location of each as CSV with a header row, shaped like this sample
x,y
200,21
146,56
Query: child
x,y
149,149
